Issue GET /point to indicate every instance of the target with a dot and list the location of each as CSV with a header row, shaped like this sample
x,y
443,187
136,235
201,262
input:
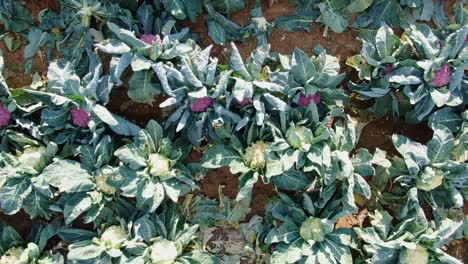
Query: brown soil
x,y
20,221
120,104
340,45
15,65
36,6
378,134
216,177
458,249
261,194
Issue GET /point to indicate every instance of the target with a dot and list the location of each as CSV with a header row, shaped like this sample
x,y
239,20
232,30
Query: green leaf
x,y
461,149
14,16
216,32
425,40
385,41
37,38
302,68
189,75
142,88
362,163
292,180
124,127
332,19
68,176
145,15
76,205
387,11
342,253
62,79
144,229
237,64
194,8
113,47
13,194
295,22
228,7
127,36
220,155
176,8
414,153
85,250
360,64
359,5
441,145
286,233
55,118
104,114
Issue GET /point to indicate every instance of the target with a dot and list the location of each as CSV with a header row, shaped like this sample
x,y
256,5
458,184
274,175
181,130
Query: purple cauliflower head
x,y
5,116
80,117
304,100
245,102
150,39
201,104
388,69
442,76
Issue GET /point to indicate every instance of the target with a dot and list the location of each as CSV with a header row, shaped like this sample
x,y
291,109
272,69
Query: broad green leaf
x,y
62,79
362,163
14,16
441,145
385,41
357,6
144,229
37,38
84,252
228,7
286,233
55,118
68,176
291,180
145,15
302,68
142,88
220,155
216,32
426,41
237,64
381,11
113,47
295,22
414,153
332,19
127,36
13,194
75,206
176,8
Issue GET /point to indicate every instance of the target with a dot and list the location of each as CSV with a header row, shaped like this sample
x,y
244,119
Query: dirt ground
x,y
376,134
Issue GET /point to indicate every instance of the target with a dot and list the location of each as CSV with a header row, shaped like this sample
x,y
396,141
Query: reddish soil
x,y
36,6
340,45
14,71
21,222
120,104
378,134
216,177
458,249
261,194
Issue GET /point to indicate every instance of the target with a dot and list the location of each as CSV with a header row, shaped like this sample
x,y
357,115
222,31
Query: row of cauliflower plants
x,y
67,160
